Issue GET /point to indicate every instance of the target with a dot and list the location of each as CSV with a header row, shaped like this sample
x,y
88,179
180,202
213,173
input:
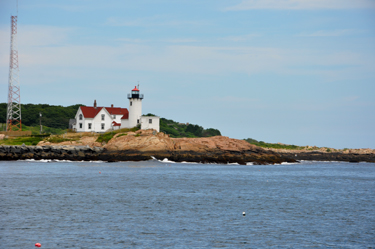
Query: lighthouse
x,y
103,119
135,107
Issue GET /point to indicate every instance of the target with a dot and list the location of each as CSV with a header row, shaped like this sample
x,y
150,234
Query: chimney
x,y
112,105
95,104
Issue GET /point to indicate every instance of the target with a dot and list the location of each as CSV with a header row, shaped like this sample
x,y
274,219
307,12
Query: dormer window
x,y
80,116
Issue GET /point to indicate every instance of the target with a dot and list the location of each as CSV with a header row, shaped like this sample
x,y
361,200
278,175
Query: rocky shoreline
x,y
147,144
329,156
86,153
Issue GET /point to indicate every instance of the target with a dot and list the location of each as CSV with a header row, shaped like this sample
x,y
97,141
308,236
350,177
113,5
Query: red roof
x,y
135,89
91,112
117,110
115,124
126,116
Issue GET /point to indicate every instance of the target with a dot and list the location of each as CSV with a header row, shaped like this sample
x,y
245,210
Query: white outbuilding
x,y
102,119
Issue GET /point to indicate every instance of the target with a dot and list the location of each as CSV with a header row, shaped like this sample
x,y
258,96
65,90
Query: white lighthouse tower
x,y
135,107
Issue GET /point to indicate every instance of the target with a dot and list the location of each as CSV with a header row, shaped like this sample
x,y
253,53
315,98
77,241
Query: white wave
x,y
166,160
233,164
287,163
189,162
317,161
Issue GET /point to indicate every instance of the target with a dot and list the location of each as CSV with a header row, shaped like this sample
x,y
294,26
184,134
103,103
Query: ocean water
x,y
173,205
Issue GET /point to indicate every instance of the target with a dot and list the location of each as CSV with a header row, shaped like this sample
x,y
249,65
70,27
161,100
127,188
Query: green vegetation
x,y
122,134
53,117
21,140
35,130
45,129
175,129
105,137
274,146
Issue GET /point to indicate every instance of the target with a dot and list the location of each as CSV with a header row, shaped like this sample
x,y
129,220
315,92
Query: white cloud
x,y
171,40
240,38
47,49
149,22
33,35
302,4
198,59
180,40
351,98
331,33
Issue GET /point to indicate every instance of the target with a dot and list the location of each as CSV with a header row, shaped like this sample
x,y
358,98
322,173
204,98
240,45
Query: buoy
x,y
243,214
100,172
38,245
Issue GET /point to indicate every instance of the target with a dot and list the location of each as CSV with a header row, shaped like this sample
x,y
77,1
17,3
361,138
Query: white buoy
x,y
243,214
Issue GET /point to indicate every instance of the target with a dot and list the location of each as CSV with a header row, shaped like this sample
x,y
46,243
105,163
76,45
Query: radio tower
x,y
14,94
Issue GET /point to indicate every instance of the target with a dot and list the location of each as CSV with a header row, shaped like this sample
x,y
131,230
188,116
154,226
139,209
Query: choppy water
x,y
161,205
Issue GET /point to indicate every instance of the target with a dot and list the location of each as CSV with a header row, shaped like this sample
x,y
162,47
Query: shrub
x,y
105,137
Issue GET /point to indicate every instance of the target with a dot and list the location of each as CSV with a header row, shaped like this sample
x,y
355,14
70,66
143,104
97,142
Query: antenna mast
x,y
14,94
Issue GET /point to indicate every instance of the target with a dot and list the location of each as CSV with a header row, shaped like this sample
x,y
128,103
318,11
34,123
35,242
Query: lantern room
x,y
135,94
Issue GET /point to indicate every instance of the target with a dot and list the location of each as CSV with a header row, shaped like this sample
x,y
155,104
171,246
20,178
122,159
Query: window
x,y
150,121
89,126
131,102
114,116
103,116
80,117
80,125
137,121
102,126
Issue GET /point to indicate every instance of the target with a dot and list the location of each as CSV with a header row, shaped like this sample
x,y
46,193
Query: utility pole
x,y
40,122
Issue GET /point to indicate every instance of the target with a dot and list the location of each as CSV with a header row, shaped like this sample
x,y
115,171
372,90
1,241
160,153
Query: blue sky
x,y
292,71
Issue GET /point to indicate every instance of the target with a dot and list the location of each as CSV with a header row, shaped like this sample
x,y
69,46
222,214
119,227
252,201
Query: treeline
x,y
52,116
175,129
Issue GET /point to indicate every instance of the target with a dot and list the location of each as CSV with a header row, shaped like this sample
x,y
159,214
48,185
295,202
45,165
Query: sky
x,y
291,71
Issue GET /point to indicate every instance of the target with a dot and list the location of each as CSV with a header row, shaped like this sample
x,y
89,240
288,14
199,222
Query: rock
x,y
218,149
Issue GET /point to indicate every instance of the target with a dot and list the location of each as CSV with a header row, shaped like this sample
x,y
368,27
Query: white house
x,y
102,119
150,122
